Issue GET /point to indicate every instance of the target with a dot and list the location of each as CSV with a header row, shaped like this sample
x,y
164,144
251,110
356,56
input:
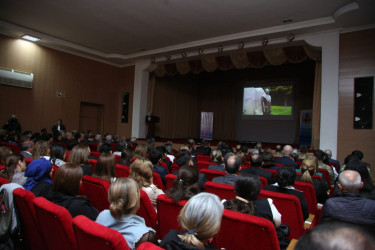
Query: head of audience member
x,y
268,160
57,152
67,179
190,143
163,151
286,176
28,134
4,152
303,149
105,167
123,144
141,171
278,148
259,146
287,151
350,181
312,157
169,147
256,160
247,188
155,156
334,236
140,151
308,169
105,148
320,155
244,149
328,152
108,139
39,170
69,136
223,147
78,137
41,148
123,196
98,137
241,155
361,168
185,185
150,144
216,156
358,153
79,155
125,156
295,154
205,143
238,148
184,159
27,146
200,219
233,164
13,163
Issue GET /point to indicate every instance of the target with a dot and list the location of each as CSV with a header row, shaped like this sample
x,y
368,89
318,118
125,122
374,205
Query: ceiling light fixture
x,y
183,54
200,51
265,41
31,38
220,48
291,37
241,45
168,58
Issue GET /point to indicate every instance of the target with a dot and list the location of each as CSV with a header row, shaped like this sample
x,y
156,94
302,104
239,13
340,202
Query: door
x,y
91,117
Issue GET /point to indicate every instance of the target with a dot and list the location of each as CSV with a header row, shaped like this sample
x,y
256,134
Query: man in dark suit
x,y
205,148
232,167
156,159
287,158
256,161
221,166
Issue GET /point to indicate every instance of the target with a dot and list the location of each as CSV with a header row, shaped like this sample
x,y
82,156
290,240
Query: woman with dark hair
x,y
58,154
124,199
66,186
185,185
38,174
15,167
285,177
79,155
247,188
126,156
4,152
106,168
269,161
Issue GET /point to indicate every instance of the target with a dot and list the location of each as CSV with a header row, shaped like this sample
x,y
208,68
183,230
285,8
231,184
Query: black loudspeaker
x,y
363,104
125,108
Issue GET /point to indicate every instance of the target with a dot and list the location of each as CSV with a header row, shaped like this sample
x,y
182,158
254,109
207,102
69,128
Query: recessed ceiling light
x,y
288,20
31,38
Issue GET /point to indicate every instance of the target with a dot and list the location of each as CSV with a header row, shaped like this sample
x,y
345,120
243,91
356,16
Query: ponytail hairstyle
x,y
185,185
247,188
308,169
200,219
123,196
11,162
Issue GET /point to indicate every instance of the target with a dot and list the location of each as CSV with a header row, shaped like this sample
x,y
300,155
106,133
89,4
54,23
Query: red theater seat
x,y
122,171
224,191
169,178
147,211
210,174
96,190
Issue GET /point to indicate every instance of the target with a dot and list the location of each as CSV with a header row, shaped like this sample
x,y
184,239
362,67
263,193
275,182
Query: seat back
x,y
326,176
122,171
264,182
169,178
13,147
96,154
23,200
203,157
168,212
3,181
309,193
204,164
224,191
244,231
117,157
273,171
54,170
28,160
93,147
157,181
290,210
55,224
92,164
147,211
174,168
210,174
92,235
96,190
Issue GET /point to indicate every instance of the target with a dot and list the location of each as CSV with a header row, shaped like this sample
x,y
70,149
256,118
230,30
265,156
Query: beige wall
x,y
357,59
82,80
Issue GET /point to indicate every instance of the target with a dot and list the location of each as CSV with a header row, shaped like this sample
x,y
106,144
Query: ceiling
x,y
120,32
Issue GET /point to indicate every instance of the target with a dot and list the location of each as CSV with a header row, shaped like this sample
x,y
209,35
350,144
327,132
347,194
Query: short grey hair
x,y
350,181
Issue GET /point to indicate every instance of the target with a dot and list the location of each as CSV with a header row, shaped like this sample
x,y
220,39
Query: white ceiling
x,y
120,32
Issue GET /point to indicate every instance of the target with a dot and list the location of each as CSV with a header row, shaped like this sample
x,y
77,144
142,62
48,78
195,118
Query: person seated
x,y
164,160
126,156
205,149
232,166
241,155
321,156
217,158
184,159
156,160
287,158
285,178
66,186
140,151
106,168
308,169
69,140
185,185
200,221
41,149
247,188
256,161
79,155
141,171
38,174
268,160
303,151
15,167
27,149
170,151
58,154
278,151
124,199
105,148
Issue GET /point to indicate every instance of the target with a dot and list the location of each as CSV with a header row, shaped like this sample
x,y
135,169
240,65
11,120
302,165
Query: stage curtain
x,y
295,54
183,68
257,59
196,66
275,56
209,64
224,62
316,106
240,61
160,70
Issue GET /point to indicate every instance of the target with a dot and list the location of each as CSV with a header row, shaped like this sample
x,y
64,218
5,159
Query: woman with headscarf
x,y
38,174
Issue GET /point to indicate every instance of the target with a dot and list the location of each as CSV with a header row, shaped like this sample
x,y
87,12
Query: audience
x,y
38,174
126,156
156,160
278,151
106,168
303,151
320,155
232,166
79,155
58,154
268,160
185,185
66,186
4,152
200,220
287,158
217,158
184,159
256,161
27,149
140,151
205,149
124,199
15,167
41,149
142,172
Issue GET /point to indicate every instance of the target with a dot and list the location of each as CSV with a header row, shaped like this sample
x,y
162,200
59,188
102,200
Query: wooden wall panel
x,y
81,79
357,59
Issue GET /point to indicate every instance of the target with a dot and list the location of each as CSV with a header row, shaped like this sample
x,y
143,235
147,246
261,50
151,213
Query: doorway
x,y
91,117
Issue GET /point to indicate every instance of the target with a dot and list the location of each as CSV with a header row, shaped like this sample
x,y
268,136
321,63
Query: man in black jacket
x,y
256,161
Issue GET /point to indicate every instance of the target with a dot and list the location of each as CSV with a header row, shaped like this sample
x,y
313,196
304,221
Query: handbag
x,y
5,216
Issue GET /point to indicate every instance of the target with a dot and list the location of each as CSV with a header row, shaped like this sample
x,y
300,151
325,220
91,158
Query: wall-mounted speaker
x,y
125,108
363,102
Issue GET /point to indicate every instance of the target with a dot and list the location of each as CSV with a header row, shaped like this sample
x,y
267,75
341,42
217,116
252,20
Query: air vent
x,y
16,78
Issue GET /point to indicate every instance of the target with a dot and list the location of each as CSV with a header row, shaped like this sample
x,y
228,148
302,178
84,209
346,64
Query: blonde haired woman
x,y
123,196
200,220
80,155
142,172
41,149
